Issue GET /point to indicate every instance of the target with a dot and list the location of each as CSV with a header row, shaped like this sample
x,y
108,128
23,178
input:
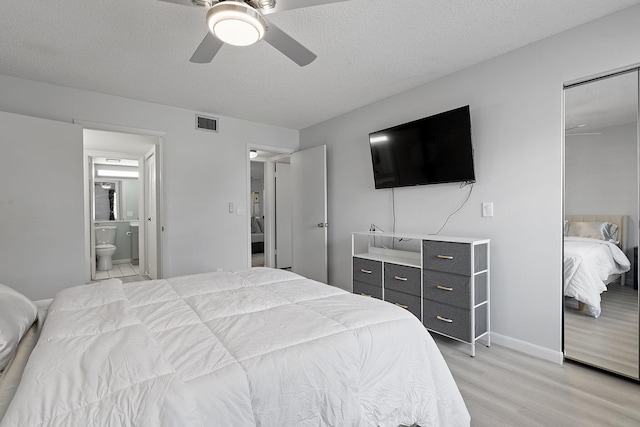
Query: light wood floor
x,y
502,387
257,260
611,340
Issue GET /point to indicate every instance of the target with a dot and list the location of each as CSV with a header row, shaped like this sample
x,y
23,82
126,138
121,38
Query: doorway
x,y
122,201
270,209
256,210
294,208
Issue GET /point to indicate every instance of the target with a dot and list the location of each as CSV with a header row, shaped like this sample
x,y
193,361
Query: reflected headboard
x,y
619,220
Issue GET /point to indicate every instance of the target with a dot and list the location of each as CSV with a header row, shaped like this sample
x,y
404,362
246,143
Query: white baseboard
x,y
527,348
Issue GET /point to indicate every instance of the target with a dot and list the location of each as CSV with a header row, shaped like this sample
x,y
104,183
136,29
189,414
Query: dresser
x,y
443,281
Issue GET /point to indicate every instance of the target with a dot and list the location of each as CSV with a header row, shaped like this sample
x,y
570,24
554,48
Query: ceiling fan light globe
x,y
236,32
236,23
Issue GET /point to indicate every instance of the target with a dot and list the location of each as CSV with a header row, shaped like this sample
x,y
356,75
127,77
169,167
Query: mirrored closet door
x,y
601,223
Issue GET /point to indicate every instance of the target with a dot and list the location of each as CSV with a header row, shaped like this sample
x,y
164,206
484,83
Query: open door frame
x,y
312,259
269,201
159,153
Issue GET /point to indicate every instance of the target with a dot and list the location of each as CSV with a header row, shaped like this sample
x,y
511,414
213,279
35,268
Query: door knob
x,y
323,225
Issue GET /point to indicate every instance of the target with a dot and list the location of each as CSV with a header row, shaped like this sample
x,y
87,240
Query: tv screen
x,y
433,150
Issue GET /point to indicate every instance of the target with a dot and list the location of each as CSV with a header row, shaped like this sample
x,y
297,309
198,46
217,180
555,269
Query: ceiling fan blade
x,y
182,2
208,48
288,46
282,5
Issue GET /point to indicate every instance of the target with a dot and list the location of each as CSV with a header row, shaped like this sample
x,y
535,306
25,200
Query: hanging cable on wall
x,y
464,184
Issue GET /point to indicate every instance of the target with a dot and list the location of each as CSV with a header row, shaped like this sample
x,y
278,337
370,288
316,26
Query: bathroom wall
x,y
130,190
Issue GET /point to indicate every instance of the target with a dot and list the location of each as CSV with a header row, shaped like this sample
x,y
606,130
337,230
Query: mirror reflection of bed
x,y
601,326
601,309
256,208
257,241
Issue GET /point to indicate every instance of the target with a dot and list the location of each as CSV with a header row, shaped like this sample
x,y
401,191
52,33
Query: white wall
x,y
516,109
203,171
41,205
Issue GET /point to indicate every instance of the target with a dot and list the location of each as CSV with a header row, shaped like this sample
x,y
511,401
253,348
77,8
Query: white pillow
x,y
17,314
594,230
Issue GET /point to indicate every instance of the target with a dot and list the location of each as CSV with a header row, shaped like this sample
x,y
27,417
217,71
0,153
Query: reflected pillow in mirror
x,y
17,314
594,230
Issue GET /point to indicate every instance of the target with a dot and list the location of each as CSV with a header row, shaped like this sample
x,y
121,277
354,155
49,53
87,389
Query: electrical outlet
x,y
487,209
231,207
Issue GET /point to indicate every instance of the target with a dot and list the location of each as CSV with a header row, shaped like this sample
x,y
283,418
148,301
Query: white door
x,y
309,213
283,215
151,228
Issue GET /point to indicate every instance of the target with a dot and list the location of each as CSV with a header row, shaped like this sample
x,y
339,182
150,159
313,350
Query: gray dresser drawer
x,y
367,289
447,256
448,319
402,278
446,285
367,271
448,288
406,301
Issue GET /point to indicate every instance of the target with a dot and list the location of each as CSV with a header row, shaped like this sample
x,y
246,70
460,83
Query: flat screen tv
x,y
433,150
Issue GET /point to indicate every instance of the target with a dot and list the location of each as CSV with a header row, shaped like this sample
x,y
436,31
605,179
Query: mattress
x,y
588,263
252,347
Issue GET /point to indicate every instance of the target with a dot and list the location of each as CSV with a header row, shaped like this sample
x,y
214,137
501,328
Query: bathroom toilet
x,y
105,246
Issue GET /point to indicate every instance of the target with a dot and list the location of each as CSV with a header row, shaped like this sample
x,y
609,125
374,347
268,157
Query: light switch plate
x,y
487,209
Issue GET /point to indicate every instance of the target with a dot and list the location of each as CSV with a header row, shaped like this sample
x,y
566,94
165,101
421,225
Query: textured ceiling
x,y
604,103
367,50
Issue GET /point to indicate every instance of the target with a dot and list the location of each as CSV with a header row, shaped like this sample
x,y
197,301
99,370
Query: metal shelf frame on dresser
x,y
445,281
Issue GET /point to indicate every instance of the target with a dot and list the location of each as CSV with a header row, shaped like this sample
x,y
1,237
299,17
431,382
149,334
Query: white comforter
x,y
587,263
255,347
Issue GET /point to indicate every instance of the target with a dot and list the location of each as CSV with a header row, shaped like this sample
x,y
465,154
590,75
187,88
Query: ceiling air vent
x,y
207,123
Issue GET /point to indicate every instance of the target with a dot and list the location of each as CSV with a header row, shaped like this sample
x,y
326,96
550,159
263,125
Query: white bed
x,y
593,257
253,347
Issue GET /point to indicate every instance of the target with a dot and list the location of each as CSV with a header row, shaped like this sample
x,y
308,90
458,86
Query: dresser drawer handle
x,y
403,279
444,256
444,288
401,306
444,319
365,271
365,295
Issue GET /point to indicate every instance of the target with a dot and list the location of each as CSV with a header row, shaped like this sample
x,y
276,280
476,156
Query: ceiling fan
x,y
243,23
